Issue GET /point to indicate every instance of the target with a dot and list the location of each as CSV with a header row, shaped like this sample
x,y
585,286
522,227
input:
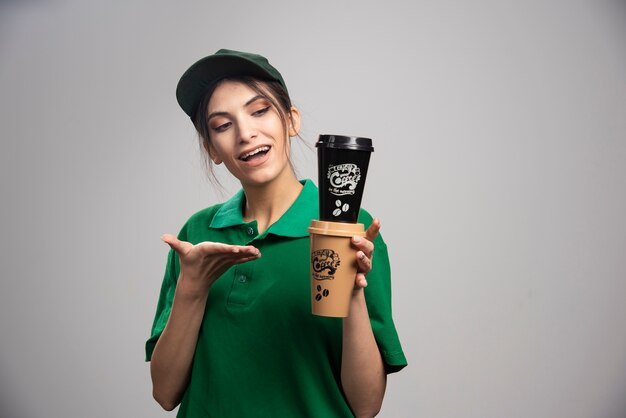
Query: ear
x,y
214,157
212,154
294,125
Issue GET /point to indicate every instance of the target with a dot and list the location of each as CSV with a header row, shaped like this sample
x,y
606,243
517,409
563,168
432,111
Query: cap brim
x,y
199,78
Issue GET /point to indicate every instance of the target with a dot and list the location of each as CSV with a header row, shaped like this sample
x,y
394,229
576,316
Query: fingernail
x,y
362,256
356,239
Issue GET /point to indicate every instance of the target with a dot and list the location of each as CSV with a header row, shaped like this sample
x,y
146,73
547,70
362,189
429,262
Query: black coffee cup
x,y
342,163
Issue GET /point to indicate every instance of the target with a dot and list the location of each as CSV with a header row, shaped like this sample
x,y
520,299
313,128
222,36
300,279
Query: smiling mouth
x,y
256,153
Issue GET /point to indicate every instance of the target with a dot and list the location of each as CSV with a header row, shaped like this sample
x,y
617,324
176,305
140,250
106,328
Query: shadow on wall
x,y
8,401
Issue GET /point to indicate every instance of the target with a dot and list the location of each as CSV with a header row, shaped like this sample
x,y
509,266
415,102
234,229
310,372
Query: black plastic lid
x,y
345,142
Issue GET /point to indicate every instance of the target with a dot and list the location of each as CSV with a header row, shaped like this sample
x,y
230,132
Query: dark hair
x,y
273,91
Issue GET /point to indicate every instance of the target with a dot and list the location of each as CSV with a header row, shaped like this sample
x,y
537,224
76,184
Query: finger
x,y
232,260
360,281
245,259
372,231
214,248
364,263
238,253
250,250
181,247
363,244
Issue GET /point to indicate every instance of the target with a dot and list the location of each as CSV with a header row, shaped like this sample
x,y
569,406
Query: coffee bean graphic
x,y
341,207
321,293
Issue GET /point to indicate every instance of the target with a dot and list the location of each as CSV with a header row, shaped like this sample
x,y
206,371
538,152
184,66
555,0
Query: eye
x,y
222,127
261,111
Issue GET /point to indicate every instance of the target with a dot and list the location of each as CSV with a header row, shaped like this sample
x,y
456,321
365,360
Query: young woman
x,y
233,334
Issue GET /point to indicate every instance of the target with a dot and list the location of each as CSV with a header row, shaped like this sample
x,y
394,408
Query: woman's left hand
x,y
365,247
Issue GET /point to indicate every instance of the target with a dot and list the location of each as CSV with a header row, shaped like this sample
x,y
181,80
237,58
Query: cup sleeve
x,y
164,305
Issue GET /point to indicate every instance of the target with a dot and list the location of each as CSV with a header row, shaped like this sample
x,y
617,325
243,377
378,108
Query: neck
x,y
268,202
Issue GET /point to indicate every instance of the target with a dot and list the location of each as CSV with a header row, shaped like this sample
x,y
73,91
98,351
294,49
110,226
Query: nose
x,y
247,129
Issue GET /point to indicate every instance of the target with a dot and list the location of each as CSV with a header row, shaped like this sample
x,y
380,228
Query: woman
x,y
233,335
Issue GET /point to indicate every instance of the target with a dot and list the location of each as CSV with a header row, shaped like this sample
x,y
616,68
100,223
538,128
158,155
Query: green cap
x,y
202,75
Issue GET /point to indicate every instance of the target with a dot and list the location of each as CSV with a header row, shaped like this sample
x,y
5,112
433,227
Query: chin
x,y
266,177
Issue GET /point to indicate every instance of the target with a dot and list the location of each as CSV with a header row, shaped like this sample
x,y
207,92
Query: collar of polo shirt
x,y
294,223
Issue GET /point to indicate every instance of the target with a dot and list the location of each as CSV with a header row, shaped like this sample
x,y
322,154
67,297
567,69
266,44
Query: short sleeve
x,y
378,299
164,305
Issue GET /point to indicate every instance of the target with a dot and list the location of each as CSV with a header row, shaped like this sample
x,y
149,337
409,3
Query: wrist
x,y
358,305
358,295
191,289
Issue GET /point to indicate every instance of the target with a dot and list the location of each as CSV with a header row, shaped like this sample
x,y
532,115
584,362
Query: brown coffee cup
x,y
333,266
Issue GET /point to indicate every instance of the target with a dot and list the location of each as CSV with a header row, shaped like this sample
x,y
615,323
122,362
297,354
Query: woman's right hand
x,y
202,264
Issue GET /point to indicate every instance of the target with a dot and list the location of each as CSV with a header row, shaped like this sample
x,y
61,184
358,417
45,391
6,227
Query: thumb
x,y
181,247
372,231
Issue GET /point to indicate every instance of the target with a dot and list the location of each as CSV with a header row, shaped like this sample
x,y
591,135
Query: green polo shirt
x,y
260,351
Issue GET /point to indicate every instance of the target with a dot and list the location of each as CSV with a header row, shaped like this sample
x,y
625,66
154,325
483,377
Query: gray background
x,y
499,176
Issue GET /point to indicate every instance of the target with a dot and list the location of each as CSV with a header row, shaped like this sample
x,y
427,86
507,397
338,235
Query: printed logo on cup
x,y
324,263
343,178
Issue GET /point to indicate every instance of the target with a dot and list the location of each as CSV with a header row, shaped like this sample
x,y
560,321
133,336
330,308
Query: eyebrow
x,y
221,113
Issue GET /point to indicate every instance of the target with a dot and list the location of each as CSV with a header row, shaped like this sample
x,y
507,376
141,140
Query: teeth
x,y
256,151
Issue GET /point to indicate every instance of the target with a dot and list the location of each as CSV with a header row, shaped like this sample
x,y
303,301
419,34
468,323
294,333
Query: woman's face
x,y
247,134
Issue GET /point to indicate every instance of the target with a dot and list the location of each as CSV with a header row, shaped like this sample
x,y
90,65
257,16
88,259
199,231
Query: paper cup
x,y
342,169
333,266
